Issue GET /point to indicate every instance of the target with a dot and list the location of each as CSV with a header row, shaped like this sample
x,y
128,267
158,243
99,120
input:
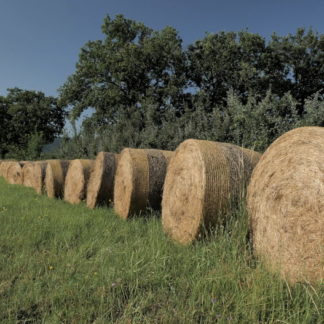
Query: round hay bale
x,y
139,180
76,180
14,174
286,205
55,178
39,176
28,175
101,183
204,182
4,168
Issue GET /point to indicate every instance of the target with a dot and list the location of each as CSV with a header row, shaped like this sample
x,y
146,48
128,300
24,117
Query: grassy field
x,y
67,264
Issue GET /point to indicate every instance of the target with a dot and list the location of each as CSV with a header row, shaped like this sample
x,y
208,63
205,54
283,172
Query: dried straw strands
x,y
4,167
14,173
55,174
203,181
28,175
139,180
39,174
101,183
76,180
286,205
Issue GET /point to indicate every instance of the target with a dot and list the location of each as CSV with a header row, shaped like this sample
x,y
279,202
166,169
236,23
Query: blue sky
x,y
40,39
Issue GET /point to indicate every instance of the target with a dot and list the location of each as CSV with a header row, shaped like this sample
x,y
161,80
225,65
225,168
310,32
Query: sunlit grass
x,y
61,263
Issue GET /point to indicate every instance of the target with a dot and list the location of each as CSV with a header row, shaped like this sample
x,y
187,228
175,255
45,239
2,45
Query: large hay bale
x,y
286,205
55,178
139,180
76,180
39,176
14,172
101,183
29,174
204,182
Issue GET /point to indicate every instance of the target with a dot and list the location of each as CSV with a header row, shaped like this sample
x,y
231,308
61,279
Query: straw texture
x,y
14,174
39,174
286,205
101,183
28,175
55,174
76,180
139,180
4,168
204,182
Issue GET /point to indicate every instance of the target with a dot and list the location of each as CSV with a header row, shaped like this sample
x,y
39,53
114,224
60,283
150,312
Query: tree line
x,y
144,88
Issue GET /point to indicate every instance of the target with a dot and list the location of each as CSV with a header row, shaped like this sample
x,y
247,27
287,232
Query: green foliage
x,y
314,111
224,61
254,124
63,263
247,64
34,146
131,65
302,55
146,90
29,119
258,123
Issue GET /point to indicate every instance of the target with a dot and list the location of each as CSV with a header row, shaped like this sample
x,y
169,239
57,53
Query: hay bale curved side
x,y
1,168
55,174
4,167
286,206
28,175
204,181
139,180
14,173
76,180
100,189
39,176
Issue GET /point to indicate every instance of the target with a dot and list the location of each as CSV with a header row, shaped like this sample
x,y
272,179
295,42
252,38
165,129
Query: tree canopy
x,y
132,66
28,119
147,90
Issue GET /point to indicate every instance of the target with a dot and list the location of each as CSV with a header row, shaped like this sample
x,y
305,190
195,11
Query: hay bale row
x,y
205,180
286,205
202,183
139,180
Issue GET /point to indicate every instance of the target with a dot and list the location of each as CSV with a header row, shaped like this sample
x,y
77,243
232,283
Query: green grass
x,y
61,263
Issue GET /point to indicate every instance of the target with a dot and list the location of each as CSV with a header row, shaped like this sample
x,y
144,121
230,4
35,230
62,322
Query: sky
x,y
40,39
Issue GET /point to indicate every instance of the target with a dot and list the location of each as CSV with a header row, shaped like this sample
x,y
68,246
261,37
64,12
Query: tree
x,y
224,61
147,91
247,64
118,75
4,122
303,57
30,118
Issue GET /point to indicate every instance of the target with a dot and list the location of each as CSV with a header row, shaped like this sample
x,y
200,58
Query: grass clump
x,y
62,263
